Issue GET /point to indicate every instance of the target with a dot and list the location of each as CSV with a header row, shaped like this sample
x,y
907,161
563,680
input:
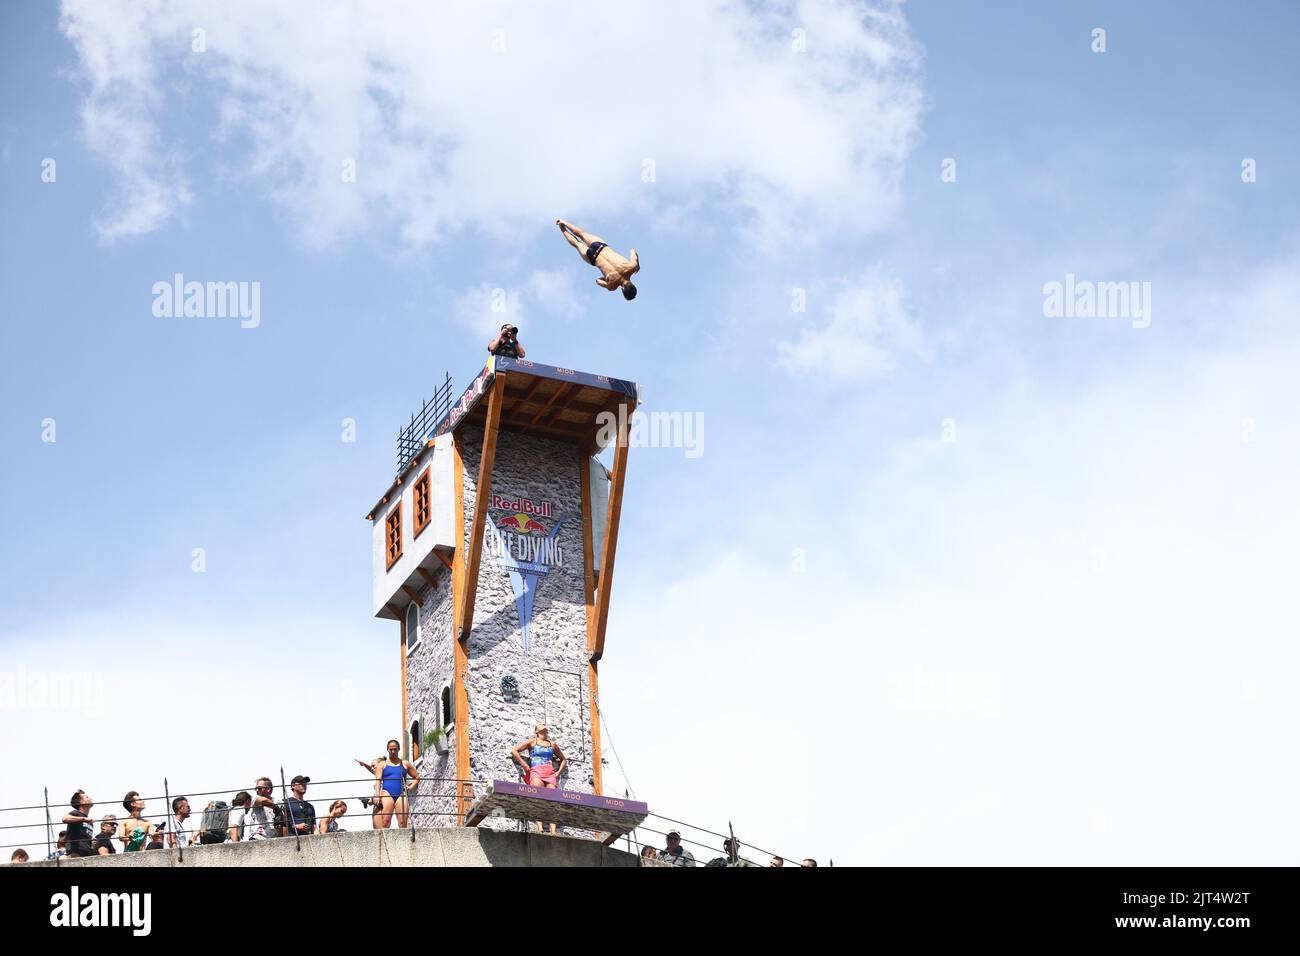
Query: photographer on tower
x,y
507,343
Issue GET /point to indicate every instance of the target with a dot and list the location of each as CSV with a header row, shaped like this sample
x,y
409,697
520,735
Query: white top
x,y
260,823
181,832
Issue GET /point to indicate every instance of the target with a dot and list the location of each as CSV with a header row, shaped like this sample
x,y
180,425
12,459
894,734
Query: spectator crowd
x,y
245,817
258,816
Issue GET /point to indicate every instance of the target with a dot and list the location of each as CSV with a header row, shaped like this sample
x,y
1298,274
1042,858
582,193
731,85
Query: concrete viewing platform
x,y
433,846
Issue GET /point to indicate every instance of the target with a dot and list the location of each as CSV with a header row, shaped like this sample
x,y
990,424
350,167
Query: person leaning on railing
x,y
79,825
263,821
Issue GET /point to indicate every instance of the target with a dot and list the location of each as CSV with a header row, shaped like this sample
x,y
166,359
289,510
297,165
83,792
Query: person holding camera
x,y
507,342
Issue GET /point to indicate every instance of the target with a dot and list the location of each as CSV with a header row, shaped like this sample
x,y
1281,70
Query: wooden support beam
x,y
413,596
482,495
593,698
611,534
405,725
460,660
568,429
589,600
531,391
551,405
443,558
429,579
467,564
571,402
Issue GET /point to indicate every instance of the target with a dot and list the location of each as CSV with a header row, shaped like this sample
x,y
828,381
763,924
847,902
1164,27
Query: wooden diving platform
x,y
612,816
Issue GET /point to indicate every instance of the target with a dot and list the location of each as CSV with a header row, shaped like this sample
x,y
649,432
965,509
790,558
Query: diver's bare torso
x,y
615,268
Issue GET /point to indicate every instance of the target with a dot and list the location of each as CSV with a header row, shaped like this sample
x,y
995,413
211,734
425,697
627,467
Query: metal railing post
x,y
48,851
284,796
171,821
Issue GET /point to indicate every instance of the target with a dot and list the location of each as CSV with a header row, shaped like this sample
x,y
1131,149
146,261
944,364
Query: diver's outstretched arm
x,y
574,241
579,231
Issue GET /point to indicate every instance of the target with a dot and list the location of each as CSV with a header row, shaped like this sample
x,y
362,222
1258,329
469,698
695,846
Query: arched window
x,y
417,739
412,626
446,706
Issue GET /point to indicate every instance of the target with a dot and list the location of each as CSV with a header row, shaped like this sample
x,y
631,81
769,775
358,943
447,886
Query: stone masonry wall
x,y
428,668
552,675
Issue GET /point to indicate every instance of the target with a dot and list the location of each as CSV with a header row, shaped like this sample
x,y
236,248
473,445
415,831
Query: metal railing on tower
x,y
412,438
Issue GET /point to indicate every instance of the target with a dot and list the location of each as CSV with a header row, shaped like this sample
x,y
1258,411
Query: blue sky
x,y
1099,549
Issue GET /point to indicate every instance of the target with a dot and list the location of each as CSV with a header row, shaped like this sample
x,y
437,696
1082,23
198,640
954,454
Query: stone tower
x,y
501,516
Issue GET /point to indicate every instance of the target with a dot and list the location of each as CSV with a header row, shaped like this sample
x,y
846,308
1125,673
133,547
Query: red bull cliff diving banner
x,y
523,537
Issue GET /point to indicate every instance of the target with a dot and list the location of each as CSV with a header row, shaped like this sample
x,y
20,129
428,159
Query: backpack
x,y
216,821
136,840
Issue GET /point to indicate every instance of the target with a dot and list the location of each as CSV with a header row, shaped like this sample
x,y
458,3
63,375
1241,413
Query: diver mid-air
x,y
615,271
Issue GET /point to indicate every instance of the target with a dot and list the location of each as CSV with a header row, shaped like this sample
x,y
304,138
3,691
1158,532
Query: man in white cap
x,y
674,854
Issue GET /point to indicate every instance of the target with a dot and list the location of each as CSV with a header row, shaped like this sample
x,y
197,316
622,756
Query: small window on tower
x,y
420,494
412,626
393,536
417,744
446,706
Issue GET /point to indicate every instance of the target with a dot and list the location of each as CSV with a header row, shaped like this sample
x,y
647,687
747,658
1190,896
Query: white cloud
x,y
867,332
1064,638
116,117
484,307
207,703
447,133
555,291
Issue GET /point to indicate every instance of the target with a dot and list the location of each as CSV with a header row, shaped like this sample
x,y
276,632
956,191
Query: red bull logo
x,y
521,523
540,509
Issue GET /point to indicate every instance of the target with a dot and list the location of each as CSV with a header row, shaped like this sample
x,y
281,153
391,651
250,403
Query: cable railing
x,y
431,802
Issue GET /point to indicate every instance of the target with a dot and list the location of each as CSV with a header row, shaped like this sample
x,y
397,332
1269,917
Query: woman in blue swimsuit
x,y
393,777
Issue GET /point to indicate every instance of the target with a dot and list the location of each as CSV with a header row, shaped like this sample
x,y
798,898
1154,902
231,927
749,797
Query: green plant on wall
x,y
433,740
